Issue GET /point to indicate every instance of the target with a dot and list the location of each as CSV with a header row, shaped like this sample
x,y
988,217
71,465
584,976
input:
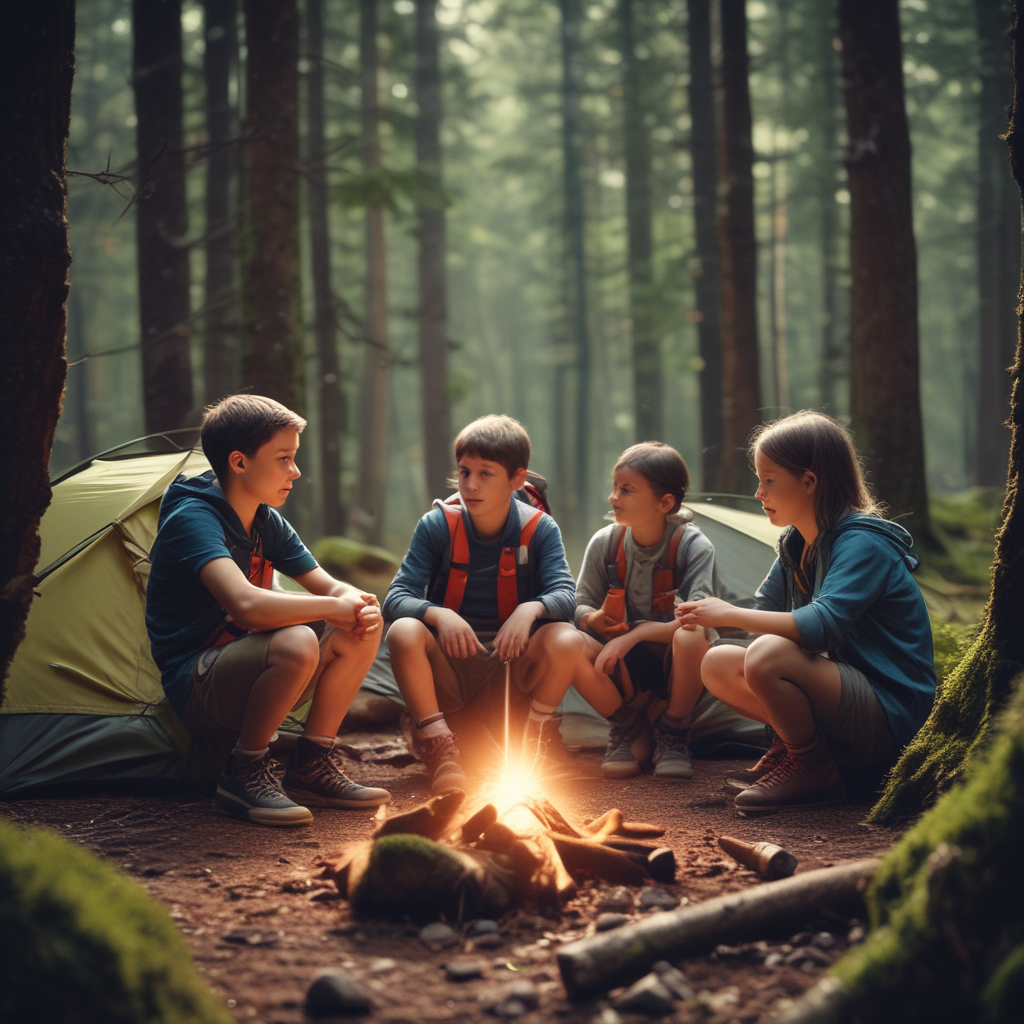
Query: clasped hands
x,y
457,639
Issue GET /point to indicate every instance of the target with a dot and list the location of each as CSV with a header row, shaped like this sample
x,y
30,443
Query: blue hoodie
x,y
196,526
865,610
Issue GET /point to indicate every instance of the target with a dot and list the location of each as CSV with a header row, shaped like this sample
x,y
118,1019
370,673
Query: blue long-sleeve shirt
x,y
551,584
865,609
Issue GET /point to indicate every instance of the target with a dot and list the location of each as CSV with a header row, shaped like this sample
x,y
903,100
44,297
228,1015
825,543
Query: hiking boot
x,y
807,778
770,760
316,778
251,791
441,757
672,752
543,745
619,760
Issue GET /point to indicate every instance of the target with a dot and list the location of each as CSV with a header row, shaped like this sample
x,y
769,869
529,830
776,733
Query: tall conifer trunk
x,y
272,325
161,215
705,201
433,251
741,396
329,393
884,368
37,63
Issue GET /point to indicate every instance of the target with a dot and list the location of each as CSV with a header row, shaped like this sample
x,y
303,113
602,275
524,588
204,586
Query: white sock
x,y
433,725
320,741
541,712
250,755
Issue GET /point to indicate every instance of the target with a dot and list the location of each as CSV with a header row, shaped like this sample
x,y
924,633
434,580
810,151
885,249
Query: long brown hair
x,y
812,441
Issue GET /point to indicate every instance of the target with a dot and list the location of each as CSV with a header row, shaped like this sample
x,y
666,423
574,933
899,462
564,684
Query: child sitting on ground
x,y
844,671
235,655
638,659
485,582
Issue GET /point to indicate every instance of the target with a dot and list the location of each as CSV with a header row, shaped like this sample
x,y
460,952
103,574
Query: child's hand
x,y
602,624
369,620
455,635
711,611
611,653
514,635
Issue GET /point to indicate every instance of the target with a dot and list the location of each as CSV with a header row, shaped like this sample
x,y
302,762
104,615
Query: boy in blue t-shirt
x,y
235,655
463,604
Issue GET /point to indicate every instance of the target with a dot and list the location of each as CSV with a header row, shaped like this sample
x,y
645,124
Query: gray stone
x,y
807,954
774,960
617,900
655,896
464,970
489,940
607,921
482,927
824,940
336,993
856,934
523,991
674,980
509,1009
649,995
439,935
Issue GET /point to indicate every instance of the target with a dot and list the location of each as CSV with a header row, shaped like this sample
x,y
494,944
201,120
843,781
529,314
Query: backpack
x,y
260,574
666,573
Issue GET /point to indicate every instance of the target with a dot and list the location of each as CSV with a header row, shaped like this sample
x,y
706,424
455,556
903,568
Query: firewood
x,y
430,819
549,815
585,857
620,956
766,859
658,861
479,823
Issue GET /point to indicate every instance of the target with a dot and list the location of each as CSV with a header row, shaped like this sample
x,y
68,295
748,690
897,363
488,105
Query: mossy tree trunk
x,y
37,65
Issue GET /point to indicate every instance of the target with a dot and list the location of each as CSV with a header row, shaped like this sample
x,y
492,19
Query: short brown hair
x,y
812,441
661,466
243,423
498,439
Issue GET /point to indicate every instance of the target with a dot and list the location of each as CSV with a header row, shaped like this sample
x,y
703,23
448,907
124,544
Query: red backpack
x,y
666,573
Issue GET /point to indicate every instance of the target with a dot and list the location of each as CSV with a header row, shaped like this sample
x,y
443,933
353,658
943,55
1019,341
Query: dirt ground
x,y
216,875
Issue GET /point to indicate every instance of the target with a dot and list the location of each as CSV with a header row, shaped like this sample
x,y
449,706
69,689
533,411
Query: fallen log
x,y
617,957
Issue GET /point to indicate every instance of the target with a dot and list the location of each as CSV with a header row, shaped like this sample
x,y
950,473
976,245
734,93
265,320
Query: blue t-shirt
x,y
196,526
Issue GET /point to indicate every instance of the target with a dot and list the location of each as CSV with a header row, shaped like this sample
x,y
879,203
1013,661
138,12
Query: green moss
x,y
950,643
341,556
80,943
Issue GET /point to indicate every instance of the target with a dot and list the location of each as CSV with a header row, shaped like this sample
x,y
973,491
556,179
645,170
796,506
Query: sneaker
x,y
251,791
441,757
770,760
543,744
810,778
672,752
316,778
619,760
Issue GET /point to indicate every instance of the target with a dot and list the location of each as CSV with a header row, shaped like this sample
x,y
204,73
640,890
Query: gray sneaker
x,y
251,791
619,761
672,756
316,778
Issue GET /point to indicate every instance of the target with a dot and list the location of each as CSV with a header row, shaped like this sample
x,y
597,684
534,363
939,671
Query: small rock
x,y
464,970
856,934
617,900
252,937
774,960
607,921
810,967
674,980
807,954
489,940
508,1009
382,965
336,993
654,896
482,927
824,940
723,952
801,939
438,935
648,995
721,1001
607,1016
525,992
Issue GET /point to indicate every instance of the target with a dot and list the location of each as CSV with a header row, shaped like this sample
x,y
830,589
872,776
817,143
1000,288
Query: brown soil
x,y
216,875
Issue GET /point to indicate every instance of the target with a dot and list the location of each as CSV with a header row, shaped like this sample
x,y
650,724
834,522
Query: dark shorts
x,y
650,667
223,678
476,673
860,736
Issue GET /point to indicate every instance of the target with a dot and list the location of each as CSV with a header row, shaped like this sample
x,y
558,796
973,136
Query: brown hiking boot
x,y
809,778
770,760
441,757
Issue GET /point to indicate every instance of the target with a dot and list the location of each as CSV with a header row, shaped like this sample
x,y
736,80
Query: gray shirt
x,y
695,557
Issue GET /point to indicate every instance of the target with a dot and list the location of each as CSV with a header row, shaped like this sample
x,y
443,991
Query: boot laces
x,y
671,740
324,769
258,778
437,749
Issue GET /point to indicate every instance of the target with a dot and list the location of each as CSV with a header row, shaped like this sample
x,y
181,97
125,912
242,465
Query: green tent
x,y
84,702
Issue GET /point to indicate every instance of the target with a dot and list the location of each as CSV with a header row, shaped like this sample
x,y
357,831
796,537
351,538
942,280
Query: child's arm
x,y
321,583
713,611
592,588
620,646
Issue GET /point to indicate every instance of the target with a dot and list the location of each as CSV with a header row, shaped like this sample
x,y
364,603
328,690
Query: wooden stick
x,y
589,858
617,957
766,859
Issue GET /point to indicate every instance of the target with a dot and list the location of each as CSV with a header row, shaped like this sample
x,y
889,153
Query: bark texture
x,y
329,394
741,382
271,316
885,400
220,320
161,217
705,200
433,277
37,50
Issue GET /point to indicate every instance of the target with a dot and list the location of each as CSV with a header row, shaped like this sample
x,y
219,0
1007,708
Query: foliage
x,y
342,555
81,943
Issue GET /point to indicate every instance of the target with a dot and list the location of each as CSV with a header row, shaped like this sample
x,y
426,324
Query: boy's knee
x,y
405,634
687,639
295,646
716,665
561,640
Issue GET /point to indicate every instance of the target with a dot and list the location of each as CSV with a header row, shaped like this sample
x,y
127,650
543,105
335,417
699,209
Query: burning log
x,y
596,861
767,859
620,956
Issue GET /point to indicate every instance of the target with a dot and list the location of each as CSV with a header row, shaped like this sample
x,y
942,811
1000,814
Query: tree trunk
x,y
705,202
433,277
884,372
271,316
220,320
330,401
741,395
36,69
161,214
574,229
373,436
998,246
647,370
780,224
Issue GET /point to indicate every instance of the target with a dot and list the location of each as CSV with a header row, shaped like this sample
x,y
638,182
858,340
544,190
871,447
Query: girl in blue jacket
x,y
843,671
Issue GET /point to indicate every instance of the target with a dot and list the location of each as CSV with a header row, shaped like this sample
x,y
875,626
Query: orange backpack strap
x,y
511,558
615,558
458,554
666,576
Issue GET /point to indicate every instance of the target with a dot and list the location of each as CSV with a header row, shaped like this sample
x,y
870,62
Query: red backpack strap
x,y
458,555
666,575
511,558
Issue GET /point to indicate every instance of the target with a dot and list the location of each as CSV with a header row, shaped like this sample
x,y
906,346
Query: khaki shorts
x,y
860,736
473,674
223,678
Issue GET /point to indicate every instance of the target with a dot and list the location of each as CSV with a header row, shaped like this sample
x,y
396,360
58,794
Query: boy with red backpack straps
x,y
485,581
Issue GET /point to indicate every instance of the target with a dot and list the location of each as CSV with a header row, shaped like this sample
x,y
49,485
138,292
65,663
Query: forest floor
x,y
261,924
